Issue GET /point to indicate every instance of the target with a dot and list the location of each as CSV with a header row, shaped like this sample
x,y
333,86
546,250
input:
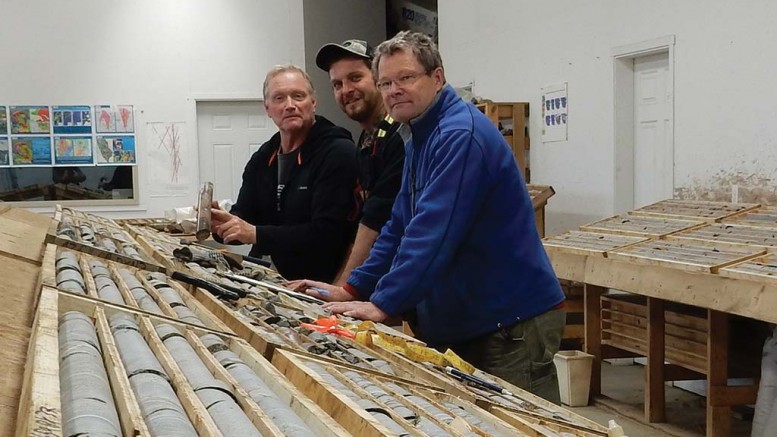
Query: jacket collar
x,y
316,134
419,128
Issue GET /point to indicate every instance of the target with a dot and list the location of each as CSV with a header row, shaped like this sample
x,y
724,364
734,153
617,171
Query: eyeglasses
x,y
405,79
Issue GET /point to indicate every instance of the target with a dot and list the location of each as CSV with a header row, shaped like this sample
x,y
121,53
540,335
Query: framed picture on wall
x,y
31,151
3,121
30,120
5,155
113,150
72,119
114,118
73,150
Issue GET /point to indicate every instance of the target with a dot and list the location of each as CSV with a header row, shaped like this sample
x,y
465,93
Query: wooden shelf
x,y
512,116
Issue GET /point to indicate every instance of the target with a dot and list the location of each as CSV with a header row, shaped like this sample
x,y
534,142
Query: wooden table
x,y
715,256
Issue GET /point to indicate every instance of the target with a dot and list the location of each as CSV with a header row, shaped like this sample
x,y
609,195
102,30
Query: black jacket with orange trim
x,y
308,230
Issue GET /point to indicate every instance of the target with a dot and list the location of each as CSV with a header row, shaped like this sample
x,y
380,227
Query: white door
x,y
653,130
229,132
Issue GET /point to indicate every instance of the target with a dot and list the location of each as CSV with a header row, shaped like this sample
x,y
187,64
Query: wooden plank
x,y
686,256
540,194
620,323
102,253
126,404
730,396
694,210
535,425
718,417
39,407
729,233
593,334
569,266
311,413
194,408
655,401
589,243
344,410
639,346
763,217
636,226
261,421
761,269
484,415
21,241
735,296
21,272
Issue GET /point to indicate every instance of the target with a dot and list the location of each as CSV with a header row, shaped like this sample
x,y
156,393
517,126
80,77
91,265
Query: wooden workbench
x,y
714,256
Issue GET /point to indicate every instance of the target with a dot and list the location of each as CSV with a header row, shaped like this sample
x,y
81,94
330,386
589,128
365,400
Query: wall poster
x,y
113,150
166,146
73,150
30,120
554,113
3,121
31,151
72,119
5,155
114,118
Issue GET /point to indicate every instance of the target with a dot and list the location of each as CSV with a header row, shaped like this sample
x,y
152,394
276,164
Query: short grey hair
x,y
421,45
278,69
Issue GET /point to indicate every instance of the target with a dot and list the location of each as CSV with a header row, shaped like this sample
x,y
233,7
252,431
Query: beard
x,y
361,109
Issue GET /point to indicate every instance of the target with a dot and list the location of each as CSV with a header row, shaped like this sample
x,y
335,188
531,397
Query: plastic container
x,y
574,377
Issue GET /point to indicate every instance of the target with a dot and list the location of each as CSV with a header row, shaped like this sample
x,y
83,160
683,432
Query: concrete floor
x,y
622,387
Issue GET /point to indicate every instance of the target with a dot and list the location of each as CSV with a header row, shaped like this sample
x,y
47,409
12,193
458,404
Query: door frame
x,y
211,97
623,110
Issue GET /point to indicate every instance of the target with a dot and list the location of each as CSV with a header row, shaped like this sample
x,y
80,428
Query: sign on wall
x,y
555,108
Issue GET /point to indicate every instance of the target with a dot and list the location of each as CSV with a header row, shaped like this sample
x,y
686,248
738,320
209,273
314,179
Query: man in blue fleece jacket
x,y
461,249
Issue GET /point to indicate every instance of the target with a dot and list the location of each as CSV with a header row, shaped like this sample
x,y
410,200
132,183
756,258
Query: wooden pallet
x,y
589,243
48,277
636,226
40,409
685,254
693,210
731,232
624,325
763,217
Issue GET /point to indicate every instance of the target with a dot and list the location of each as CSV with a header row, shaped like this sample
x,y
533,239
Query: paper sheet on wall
x,y
555,108
168,176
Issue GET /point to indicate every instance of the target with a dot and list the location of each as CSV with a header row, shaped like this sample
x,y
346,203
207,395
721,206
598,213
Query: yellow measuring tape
x,y
369,335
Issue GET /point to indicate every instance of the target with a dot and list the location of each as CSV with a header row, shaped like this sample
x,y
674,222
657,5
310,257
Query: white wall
x,y
725,98
157,55
337,21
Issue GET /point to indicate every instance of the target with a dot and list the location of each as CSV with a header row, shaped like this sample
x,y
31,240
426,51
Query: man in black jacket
x,y
381,150
296,202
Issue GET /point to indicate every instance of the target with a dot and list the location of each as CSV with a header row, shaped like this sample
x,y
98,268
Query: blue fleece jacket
x,y
461,247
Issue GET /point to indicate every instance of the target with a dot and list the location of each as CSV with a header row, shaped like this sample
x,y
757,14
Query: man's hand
x,y
231,227
358,310
320,290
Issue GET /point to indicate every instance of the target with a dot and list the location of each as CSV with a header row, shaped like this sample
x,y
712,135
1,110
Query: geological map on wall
x,y
114,118
30,120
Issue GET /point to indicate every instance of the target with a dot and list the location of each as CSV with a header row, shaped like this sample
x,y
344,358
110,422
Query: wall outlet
x,y
734,193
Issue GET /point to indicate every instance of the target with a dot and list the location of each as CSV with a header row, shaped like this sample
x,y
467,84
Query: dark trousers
x,y
521,354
